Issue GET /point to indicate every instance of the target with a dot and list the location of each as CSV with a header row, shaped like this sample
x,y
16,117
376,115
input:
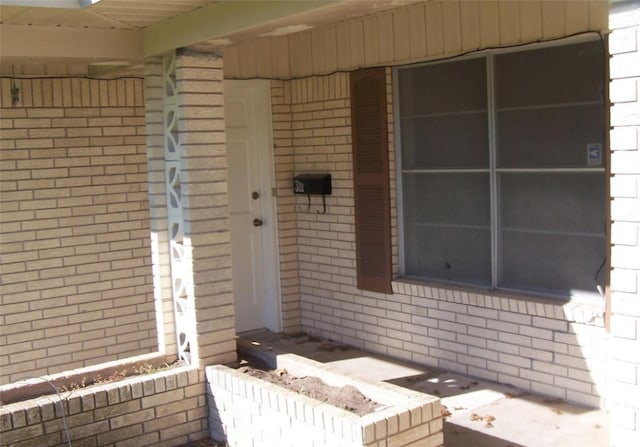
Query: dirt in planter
x,y
204,443
346,397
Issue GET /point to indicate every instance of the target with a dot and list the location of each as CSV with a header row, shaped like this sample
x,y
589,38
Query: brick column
x,y
203,171
624,47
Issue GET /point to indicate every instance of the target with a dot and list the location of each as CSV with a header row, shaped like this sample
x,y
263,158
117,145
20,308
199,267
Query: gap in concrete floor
x,y
483,414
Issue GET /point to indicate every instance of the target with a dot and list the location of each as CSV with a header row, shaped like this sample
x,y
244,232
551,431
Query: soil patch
x,y
204,443
346,397
42,386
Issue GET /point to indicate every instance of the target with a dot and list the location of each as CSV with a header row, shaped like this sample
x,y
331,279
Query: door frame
x,y
272,317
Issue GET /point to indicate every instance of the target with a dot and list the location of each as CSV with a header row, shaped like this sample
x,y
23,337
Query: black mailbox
x,y
312,184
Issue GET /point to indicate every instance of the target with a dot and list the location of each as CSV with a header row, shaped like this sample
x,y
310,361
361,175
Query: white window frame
x,y
493,170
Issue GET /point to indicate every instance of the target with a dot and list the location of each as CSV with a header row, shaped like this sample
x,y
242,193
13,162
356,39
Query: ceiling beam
x,y
219,20
34,42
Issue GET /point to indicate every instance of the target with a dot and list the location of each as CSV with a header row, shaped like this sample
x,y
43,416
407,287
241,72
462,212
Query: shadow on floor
x,y
478,413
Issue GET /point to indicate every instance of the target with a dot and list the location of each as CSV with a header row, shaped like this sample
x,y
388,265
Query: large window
x,y
502,170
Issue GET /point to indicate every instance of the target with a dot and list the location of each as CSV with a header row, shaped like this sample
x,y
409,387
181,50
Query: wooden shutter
x,y
371,179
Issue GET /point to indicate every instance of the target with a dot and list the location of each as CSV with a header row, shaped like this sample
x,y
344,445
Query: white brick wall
x,y
76,265
535,344
624,48
164,409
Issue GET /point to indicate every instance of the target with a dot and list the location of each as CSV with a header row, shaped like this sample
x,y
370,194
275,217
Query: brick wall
x,y
283,152
245,410
539,345
624,48
76,266
163,409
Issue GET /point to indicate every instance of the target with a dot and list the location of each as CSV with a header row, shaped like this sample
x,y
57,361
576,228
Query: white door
x,y
251,205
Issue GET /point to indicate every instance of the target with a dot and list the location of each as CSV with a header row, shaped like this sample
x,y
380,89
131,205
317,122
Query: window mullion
x,y
493,175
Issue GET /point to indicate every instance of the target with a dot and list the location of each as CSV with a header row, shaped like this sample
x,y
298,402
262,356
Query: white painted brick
x,y
514,318
483,373
624,17
471,341
623,90
624,114
625,66
570,361
502,326
624,280
482,333
535,354
454,308
483,353
622,416
454,347
551,368
625,350
503,368
548,390
425,321
626,257
574,385
625,304
514,360
547,345
626,372
625,162
585,400
514,339
624,138
476,362
483,312
502,347
624,233
441,335
424,340
623,41
624,186
452,327
621,437
516,381
442,355
442,315
546,323
529,331
471,321
624,326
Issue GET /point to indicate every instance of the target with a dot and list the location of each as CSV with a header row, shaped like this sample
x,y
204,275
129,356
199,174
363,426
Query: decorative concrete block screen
x,y
166,408
246,411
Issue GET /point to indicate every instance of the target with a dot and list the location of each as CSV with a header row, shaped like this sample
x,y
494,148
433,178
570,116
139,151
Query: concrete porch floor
x,y
483,414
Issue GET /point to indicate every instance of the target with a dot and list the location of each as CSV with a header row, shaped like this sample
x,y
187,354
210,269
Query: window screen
x,y
505,185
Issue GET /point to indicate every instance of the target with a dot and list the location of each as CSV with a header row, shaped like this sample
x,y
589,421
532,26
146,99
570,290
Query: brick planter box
x,y
166,408
246,411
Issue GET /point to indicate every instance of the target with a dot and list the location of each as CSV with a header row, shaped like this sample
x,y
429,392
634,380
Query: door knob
x,y
255,195
257,222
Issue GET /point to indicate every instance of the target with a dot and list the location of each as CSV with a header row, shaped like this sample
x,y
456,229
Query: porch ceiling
x,y
111,37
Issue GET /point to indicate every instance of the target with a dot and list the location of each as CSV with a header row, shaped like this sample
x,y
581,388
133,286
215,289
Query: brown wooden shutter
x,y
371,179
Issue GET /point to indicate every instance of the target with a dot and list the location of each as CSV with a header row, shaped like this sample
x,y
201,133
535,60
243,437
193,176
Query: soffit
x,y
106,14
115,35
